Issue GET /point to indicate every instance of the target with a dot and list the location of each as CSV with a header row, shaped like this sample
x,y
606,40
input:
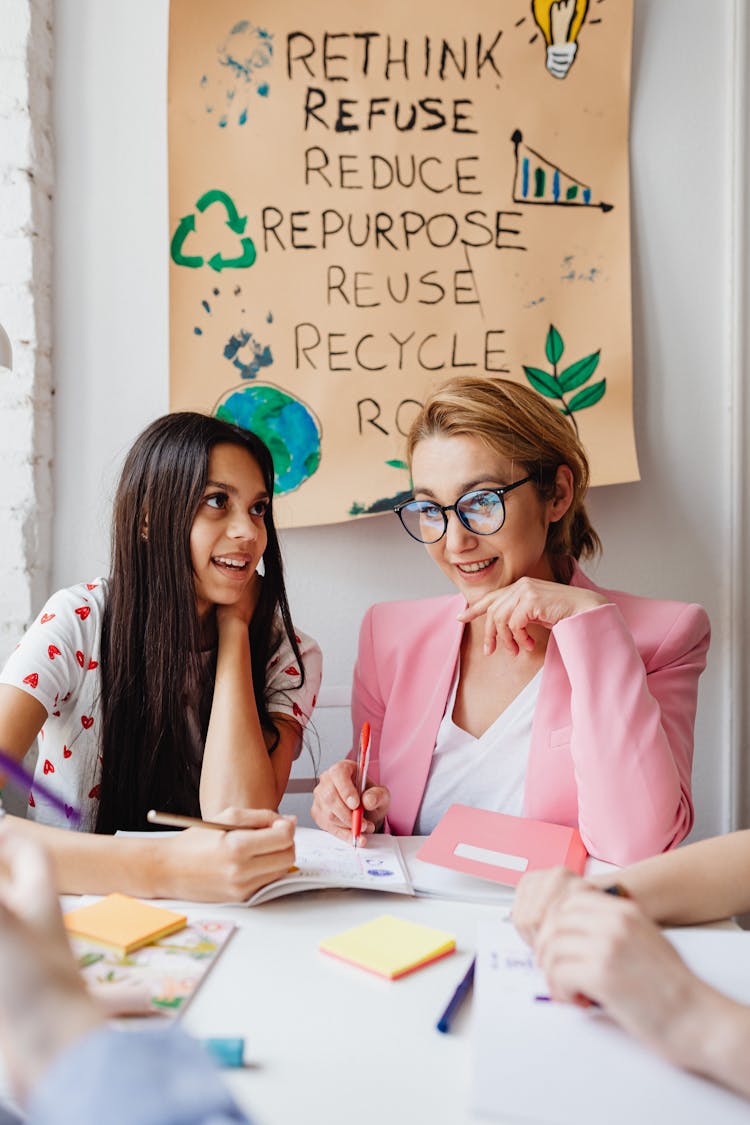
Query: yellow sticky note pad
x,y
390,947
123,923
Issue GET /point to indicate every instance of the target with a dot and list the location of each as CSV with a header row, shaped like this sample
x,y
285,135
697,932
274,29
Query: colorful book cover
x,y
170,970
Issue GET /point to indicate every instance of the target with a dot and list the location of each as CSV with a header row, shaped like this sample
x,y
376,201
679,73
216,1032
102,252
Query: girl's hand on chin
x,y
528,601
244,608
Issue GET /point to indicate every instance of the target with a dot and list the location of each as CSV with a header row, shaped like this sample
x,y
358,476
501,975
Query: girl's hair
x,y
519,425
156,687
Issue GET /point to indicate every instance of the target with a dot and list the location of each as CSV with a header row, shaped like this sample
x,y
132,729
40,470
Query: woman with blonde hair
x,y
532,691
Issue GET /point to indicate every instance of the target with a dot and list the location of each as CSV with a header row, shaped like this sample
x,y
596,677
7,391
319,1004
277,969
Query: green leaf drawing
x,y
554,346
543,382
579,372
589,397
554,384
397,464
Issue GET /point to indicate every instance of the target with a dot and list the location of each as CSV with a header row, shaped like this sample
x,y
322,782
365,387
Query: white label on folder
x,y
497,859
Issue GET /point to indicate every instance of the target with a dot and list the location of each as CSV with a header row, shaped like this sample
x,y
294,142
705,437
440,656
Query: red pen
x,y
364,757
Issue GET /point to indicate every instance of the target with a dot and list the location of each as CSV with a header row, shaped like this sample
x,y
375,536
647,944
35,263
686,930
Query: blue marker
x,y
458,997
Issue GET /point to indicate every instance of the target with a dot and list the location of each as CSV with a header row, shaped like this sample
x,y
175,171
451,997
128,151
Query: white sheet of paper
x,y
560,1065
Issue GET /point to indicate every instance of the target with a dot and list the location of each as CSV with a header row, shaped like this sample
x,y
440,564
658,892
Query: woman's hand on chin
x,y
529,601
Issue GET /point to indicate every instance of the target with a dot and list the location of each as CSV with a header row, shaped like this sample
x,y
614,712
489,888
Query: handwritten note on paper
x,y
581,1056
323,861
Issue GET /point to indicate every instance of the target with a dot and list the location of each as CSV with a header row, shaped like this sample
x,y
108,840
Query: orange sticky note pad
x,y
123,923
390,947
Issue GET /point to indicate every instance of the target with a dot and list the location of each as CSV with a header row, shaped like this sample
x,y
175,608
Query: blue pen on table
x,y
23,781
462,990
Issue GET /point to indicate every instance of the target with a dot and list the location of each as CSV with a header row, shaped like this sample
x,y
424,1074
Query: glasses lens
x,y
424,521
483,511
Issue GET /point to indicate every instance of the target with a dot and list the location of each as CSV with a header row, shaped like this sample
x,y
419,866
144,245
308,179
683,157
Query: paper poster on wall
x,y
367,199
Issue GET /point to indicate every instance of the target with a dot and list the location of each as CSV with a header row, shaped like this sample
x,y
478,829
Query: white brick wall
x,y
26,182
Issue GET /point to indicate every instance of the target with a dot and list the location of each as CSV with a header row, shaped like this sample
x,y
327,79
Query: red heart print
x,y
53,651
315,700
87,721
66,752
91,585
297,710
32,802
291,671
83,611
80,657
95,792
65,698
56,714
46,617
93,664
48,767
299,642
32,679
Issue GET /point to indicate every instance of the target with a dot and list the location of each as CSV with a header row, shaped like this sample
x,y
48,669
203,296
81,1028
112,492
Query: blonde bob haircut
x,y
522,427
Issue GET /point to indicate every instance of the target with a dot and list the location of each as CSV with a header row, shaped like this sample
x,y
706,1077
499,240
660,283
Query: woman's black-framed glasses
x,y
481,511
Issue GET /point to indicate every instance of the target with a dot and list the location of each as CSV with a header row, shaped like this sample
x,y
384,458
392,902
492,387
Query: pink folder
x,y
499,847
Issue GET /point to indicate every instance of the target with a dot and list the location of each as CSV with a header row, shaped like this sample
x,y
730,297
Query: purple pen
x,y
23,781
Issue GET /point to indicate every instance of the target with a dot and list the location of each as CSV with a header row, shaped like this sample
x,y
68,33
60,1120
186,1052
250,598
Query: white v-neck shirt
x,y
488,772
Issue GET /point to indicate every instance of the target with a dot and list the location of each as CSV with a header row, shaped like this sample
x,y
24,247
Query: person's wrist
x,y
159,866
722,1054
693,1006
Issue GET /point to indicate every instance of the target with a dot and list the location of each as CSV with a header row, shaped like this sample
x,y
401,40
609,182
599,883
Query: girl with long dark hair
x,y
178,683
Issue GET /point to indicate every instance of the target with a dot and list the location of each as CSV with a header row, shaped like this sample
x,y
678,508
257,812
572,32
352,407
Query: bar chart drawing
x,y
541,182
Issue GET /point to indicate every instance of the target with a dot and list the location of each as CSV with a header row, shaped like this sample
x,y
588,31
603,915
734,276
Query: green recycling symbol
x,y
186,226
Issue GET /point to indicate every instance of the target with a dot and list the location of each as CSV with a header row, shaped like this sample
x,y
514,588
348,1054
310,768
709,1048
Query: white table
x,y
327,1041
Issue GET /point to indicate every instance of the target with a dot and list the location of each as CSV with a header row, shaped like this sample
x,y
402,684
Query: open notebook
x,y
323,862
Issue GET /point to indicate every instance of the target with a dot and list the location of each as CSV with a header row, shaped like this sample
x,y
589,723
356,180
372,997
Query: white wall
x,y
670,535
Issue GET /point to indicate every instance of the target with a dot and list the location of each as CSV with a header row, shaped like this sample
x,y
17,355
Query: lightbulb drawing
x,y
559,22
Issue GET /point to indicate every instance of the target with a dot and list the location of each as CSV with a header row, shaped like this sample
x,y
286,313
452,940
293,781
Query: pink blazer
x,y
612,737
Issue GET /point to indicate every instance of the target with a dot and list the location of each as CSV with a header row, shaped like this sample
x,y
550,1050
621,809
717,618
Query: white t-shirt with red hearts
x,y
57,662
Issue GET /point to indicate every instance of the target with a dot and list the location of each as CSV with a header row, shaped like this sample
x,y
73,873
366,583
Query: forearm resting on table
x,y
700,882
85,863
722,1054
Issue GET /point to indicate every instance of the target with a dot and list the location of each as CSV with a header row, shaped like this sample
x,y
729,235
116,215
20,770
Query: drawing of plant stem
x,y
558,384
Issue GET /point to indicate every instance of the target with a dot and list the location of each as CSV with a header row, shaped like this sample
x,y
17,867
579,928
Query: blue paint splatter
x,y
245,51
556,186
206,306
260,354
216,292
587,195
525,177
198,331
269,318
